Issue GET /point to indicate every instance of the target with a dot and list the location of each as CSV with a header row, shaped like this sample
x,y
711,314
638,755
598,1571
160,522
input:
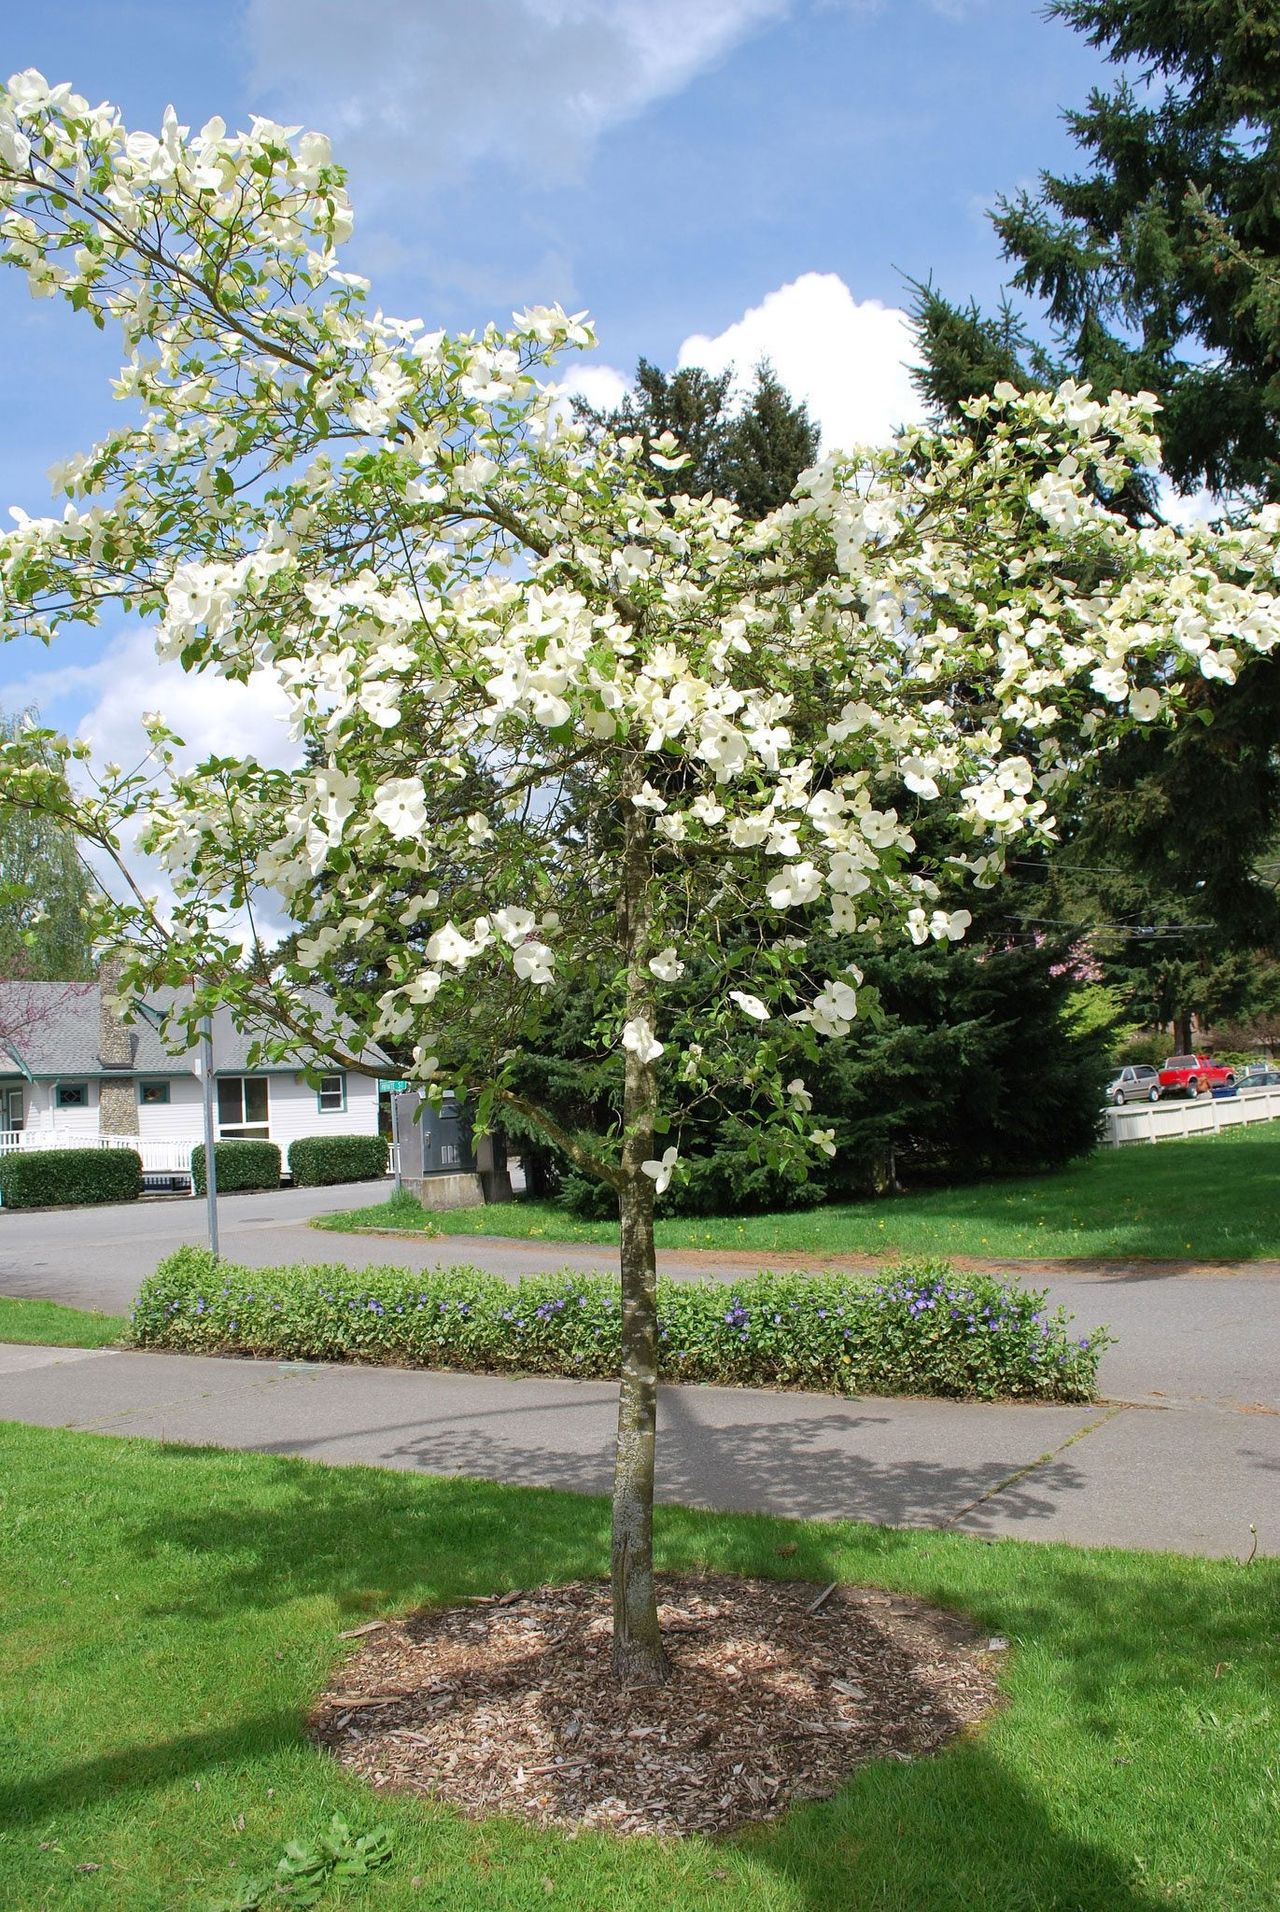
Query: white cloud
x,y
1185,508
602,386
847,359
43,686
437,87
212,715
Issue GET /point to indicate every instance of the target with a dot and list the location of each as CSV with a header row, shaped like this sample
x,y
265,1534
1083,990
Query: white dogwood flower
x,y
639,1040
667,966
750,1005
401,806
661,1170
533,963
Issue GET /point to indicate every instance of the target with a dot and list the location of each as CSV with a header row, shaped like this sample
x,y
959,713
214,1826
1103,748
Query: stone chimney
x,y
118,1100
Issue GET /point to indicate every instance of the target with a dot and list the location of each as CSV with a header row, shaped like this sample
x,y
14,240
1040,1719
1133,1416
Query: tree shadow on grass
x,y
367,1538
953,1831
956,1832
1100,1641
142,1768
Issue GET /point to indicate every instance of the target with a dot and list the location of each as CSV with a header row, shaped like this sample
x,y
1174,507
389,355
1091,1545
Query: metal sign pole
x,y
210,1134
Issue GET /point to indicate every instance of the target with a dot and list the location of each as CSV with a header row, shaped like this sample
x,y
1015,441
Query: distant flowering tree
x,y
556,725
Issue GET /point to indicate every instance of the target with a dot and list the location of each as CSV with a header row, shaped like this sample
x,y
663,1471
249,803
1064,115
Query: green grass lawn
x,y
170,1613
1210,1198
50,1324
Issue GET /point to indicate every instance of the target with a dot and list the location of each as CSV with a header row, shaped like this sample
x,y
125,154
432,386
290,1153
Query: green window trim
x,y
77,1092
331,1107
153,1095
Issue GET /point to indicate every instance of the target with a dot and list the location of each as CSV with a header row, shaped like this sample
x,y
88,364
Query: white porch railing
x,y
158,1158
1199,1115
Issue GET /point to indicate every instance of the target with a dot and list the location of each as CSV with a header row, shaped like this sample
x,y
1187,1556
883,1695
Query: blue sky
x,y
712,179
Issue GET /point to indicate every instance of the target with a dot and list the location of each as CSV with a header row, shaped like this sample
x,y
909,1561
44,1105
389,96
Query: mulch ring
x,y
779,1690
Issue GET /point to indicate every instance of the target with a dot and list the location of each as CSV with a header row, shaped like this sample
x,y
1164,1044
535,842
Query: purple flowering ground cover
x,y
921,1329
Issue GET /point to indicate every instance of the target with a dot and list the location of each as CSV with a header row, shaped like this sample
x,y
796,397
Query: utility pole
x,y
210,1133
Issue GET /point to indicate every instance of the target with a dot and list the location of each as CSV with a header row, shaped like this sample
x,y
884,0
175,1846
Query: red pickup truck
x,y
1195,1075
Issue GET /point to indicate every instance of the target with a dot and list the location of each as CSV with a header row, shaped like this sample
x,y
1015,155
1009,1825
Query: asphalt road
x,y
1183,1454
1189,1337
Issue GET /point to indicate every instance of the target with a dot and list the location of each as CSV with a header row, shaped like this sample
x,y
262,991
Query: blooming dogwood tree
x,y
558,728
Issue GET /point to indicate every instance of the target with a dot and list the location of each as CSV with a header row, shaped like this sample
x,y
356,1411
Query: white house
x,y
71,1071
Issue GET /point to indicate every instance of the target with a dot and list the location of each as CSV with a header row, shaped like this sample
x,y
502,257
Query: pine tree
x,y
1157,267
766,447
751,454
1145,262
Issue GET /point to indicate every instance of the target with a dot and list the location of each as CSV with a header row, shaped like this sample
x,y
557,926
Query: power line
x,y
1127,932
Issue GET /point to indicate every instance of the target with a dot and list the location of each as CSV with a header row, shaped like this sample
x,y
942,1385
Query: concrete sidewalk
x,y
1189,1479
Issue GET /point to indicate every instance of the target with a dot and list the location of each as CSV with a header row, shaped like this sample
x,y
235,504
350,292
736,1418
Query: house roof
x,y
53,1030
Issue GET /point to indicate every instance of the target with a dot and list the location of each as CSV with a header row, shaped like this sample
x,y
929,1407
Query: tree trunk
x,y
638,1656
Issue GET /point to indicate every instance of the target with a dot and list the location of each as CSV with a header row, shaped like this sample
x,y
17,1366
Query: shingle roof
x,y
52,1030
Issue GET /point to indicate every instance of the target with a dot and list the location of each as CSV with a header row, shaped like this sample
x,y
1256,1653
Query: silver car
x,y
1136,1082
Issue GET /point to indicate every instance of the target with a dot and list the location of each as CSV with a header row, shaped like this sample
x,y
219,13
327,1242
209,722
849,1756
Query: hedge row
x,y
53,1178
925,1330
237,1165
317,1160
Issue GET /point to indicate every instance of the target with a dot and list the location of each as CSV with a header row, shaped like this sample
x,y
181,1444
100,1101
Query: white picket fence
x,y
1201,1115
160,1160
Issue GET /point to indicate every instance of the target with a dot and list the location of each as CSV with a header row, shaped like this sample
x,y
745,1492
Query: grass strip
x,y
921,1331
1211,1198
49,1324
171,1613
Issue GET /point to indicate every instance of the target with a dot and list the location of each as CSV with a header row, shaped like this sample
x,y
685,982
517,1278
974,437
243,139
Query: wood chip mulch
x,y
779,1690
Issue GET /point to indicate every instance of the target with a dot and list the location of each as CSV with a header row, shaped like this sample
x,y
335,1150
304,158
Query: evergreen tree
x,y
1145,262
1157,266
769,442
751,454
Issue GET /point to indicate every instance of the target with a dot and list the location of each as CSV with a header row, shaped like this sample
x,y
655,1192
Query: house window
x,y
153,1094
331,1095
242,1108
72,1095
13,1112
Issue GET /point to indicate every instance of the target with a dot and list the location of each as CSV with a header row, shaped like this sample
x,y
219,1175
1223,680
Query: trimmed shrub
x,y
923,1330
56,1178
316,1160
239,1165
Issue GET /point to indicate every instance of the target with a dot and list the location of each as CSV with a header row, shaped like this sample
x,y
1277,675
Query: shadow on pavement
x,y
799,1466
